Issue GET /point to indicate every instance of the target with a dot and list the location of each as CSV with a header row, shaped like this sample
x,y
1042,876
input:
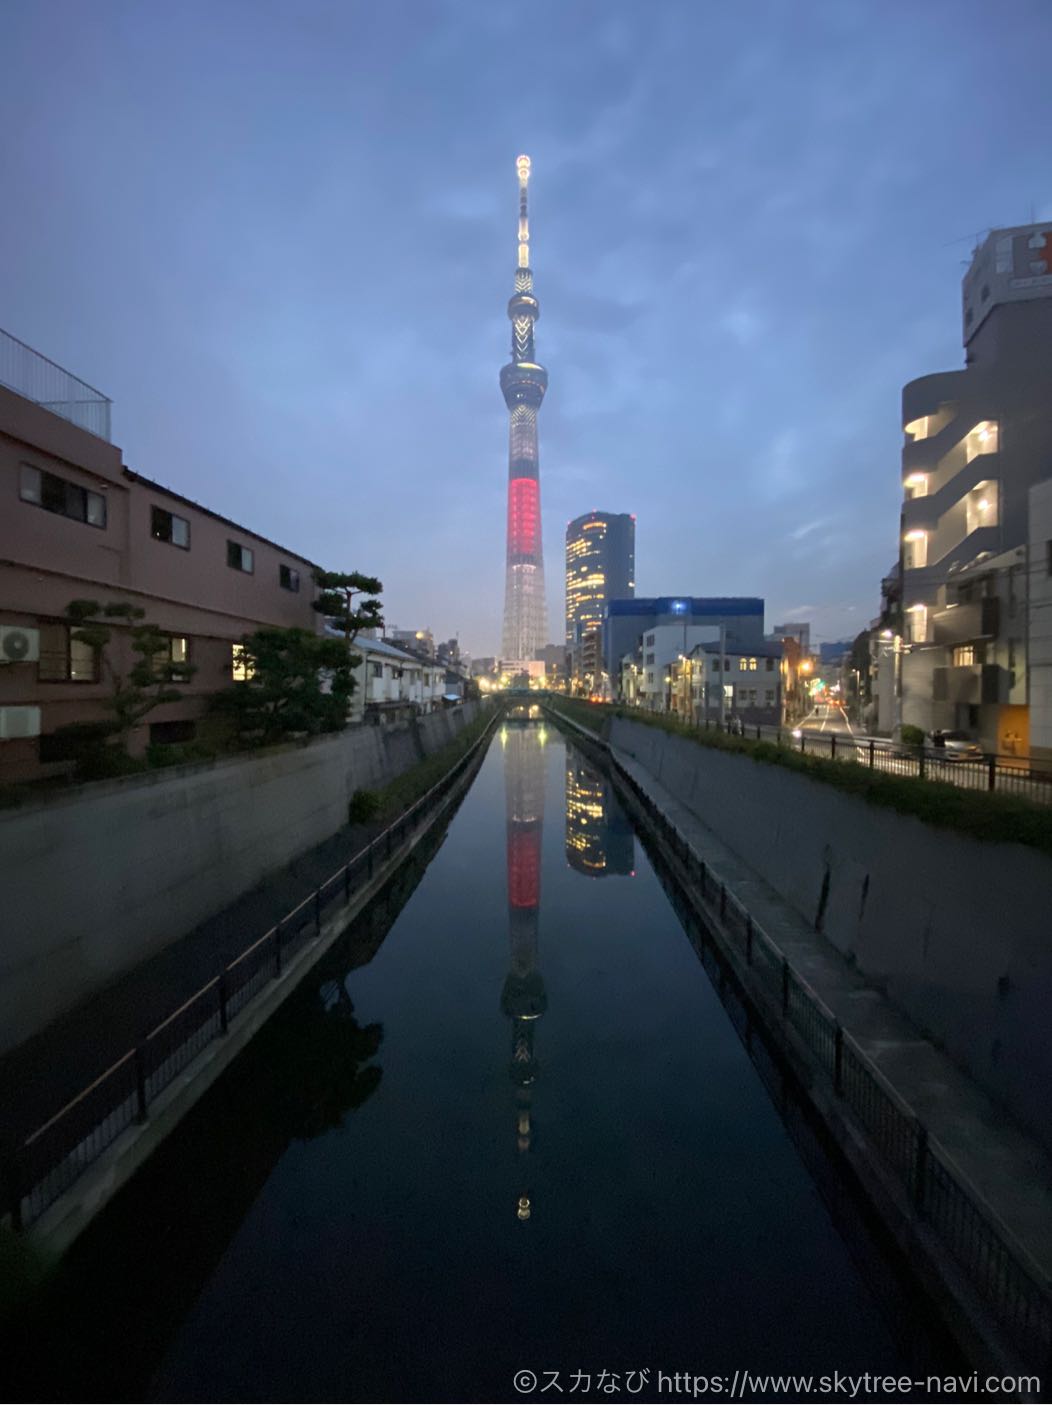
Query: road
x,y
827,719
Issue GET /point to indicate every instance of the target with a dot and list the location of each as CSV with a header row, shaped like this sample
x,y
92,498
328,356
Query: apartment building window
x,y
289,578
650,675
752,665
240,558
650,640
58,495
769,697
174,662
650,658
64,659
964,656
241,664
743,665
167,527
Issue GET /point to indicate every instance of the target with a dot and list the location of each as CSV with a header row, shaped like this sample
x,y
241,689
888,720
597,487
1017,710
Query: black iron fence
x,y
1003,774
997,1265
45,1164
972,770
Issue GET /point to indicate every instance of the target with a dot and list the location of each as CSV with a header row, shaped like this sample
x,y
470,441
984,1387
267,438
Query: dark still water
x,y
505,1126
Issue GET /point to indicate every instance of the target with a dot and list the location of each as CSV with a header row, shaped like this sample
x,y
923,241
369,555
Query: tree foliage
x,y
337,594
297,683
146,684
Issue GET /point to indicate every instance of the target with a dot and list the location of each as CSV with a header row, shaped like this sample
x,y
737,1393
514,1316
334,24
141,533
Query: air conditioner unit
x,y
16,722
19,644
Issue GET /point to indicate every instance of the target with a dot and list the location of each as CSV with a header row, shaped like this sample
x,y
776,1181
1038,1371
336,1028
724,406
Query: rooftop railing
x,y
34,377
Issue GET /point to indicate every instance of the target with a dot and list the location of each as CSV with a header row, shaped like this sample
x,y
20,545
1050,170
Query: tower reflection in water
x,y
524,998
599,838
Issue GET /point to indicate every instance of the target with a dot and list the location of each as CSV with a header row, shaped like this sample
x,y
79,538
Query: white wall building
x,y
392,683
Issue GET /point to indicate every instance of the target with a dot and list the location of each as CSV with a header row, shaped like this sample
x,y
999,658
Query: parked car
x,y
953,746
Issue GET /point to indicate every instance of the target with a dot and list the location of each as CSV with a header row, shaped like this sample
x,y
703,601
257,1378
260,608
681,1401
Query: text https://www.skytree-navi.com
x,y
744,1385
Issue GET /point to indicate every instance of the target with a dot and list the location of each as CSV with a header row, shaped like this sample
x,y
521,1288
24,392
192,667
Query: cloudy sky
x,y
281,236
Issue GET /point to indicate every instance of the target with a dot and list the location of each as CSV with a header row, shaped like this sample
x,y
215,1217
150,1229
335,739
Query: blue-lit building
x,y
628,620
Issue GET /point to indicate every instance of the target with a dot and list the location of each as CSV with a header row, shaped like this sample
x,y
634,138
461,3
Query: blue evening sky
x,y
281,236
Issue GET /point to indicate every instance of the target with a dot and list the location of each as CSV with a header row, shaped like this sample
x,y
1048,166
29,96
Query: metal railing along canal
x,y
996,1263
46,1164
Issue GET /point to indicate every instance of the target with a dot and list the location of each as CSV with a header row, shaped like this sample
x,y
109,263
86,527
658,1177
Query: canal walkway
x,y
43,1074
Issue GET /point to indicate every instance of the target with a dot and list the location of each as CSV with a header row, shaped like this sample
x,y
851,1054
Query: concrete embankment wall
x,y
957,932
98,880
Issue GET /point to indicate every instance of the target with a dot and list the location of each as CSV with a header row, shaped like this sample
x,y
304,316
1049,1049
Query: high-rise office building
x,y
600,567
523,382
977,441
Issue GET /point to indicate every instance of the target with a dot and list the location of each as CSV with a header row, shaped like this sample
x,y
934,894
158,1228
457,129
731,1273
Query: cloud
x,y
806,528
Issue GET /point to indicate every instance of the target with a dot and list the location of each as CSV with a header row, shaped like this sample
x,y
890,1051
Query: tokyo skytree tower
x,y
523,382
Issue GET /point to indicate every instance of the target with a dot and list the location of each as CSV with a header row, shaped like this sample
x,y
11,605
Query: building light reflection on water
x,y
599,839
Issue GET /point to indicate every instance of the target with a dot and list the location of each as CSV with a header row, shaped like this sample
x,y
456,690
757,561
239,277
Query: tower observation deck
x,y
523,382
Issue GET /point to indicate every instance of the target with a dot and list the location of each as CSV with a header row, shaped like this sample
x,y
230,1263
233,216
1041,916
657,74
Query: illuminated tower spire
x,y
523,382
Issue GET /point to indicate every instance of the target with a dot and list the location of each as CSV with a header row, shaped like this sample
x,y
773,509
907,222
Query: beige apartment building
x,y
75,523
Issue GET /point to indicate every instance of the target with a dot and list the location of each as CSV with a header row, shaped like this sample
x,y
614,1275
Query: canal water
x,y
506,1126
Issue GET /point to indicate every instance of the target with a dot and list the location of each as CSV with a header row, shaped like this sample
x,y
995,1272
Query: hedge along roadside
x,y
1003,819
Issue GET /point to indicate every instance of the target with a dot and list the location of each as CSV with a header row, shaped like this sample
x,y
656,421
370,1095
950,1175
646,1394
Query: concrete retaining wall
x,y
97,881
958,932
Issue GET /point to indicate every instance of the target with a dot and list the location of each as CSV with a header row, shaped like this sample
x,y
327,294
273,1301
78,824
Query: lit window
x,y
918,623
239,558
964,656
983,439
981,506
752,665
175,660
242,665
915,554
167,527
743,665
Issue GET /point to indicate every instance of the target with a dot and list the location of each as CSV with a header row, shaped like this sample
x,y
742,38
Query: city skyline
x,y
735,293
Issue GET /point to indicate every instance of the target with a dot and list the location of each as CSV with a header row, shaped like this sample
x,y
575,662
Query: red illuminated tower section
x,y
523,382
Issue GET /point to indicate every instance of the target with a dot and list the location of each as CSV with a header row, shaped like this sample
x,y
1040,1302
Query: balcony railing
x,y
35,378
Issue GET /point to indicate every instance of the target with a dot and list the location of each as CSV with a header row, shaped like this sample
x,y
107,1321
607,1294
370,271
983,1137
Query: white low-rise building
x,y
392,684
